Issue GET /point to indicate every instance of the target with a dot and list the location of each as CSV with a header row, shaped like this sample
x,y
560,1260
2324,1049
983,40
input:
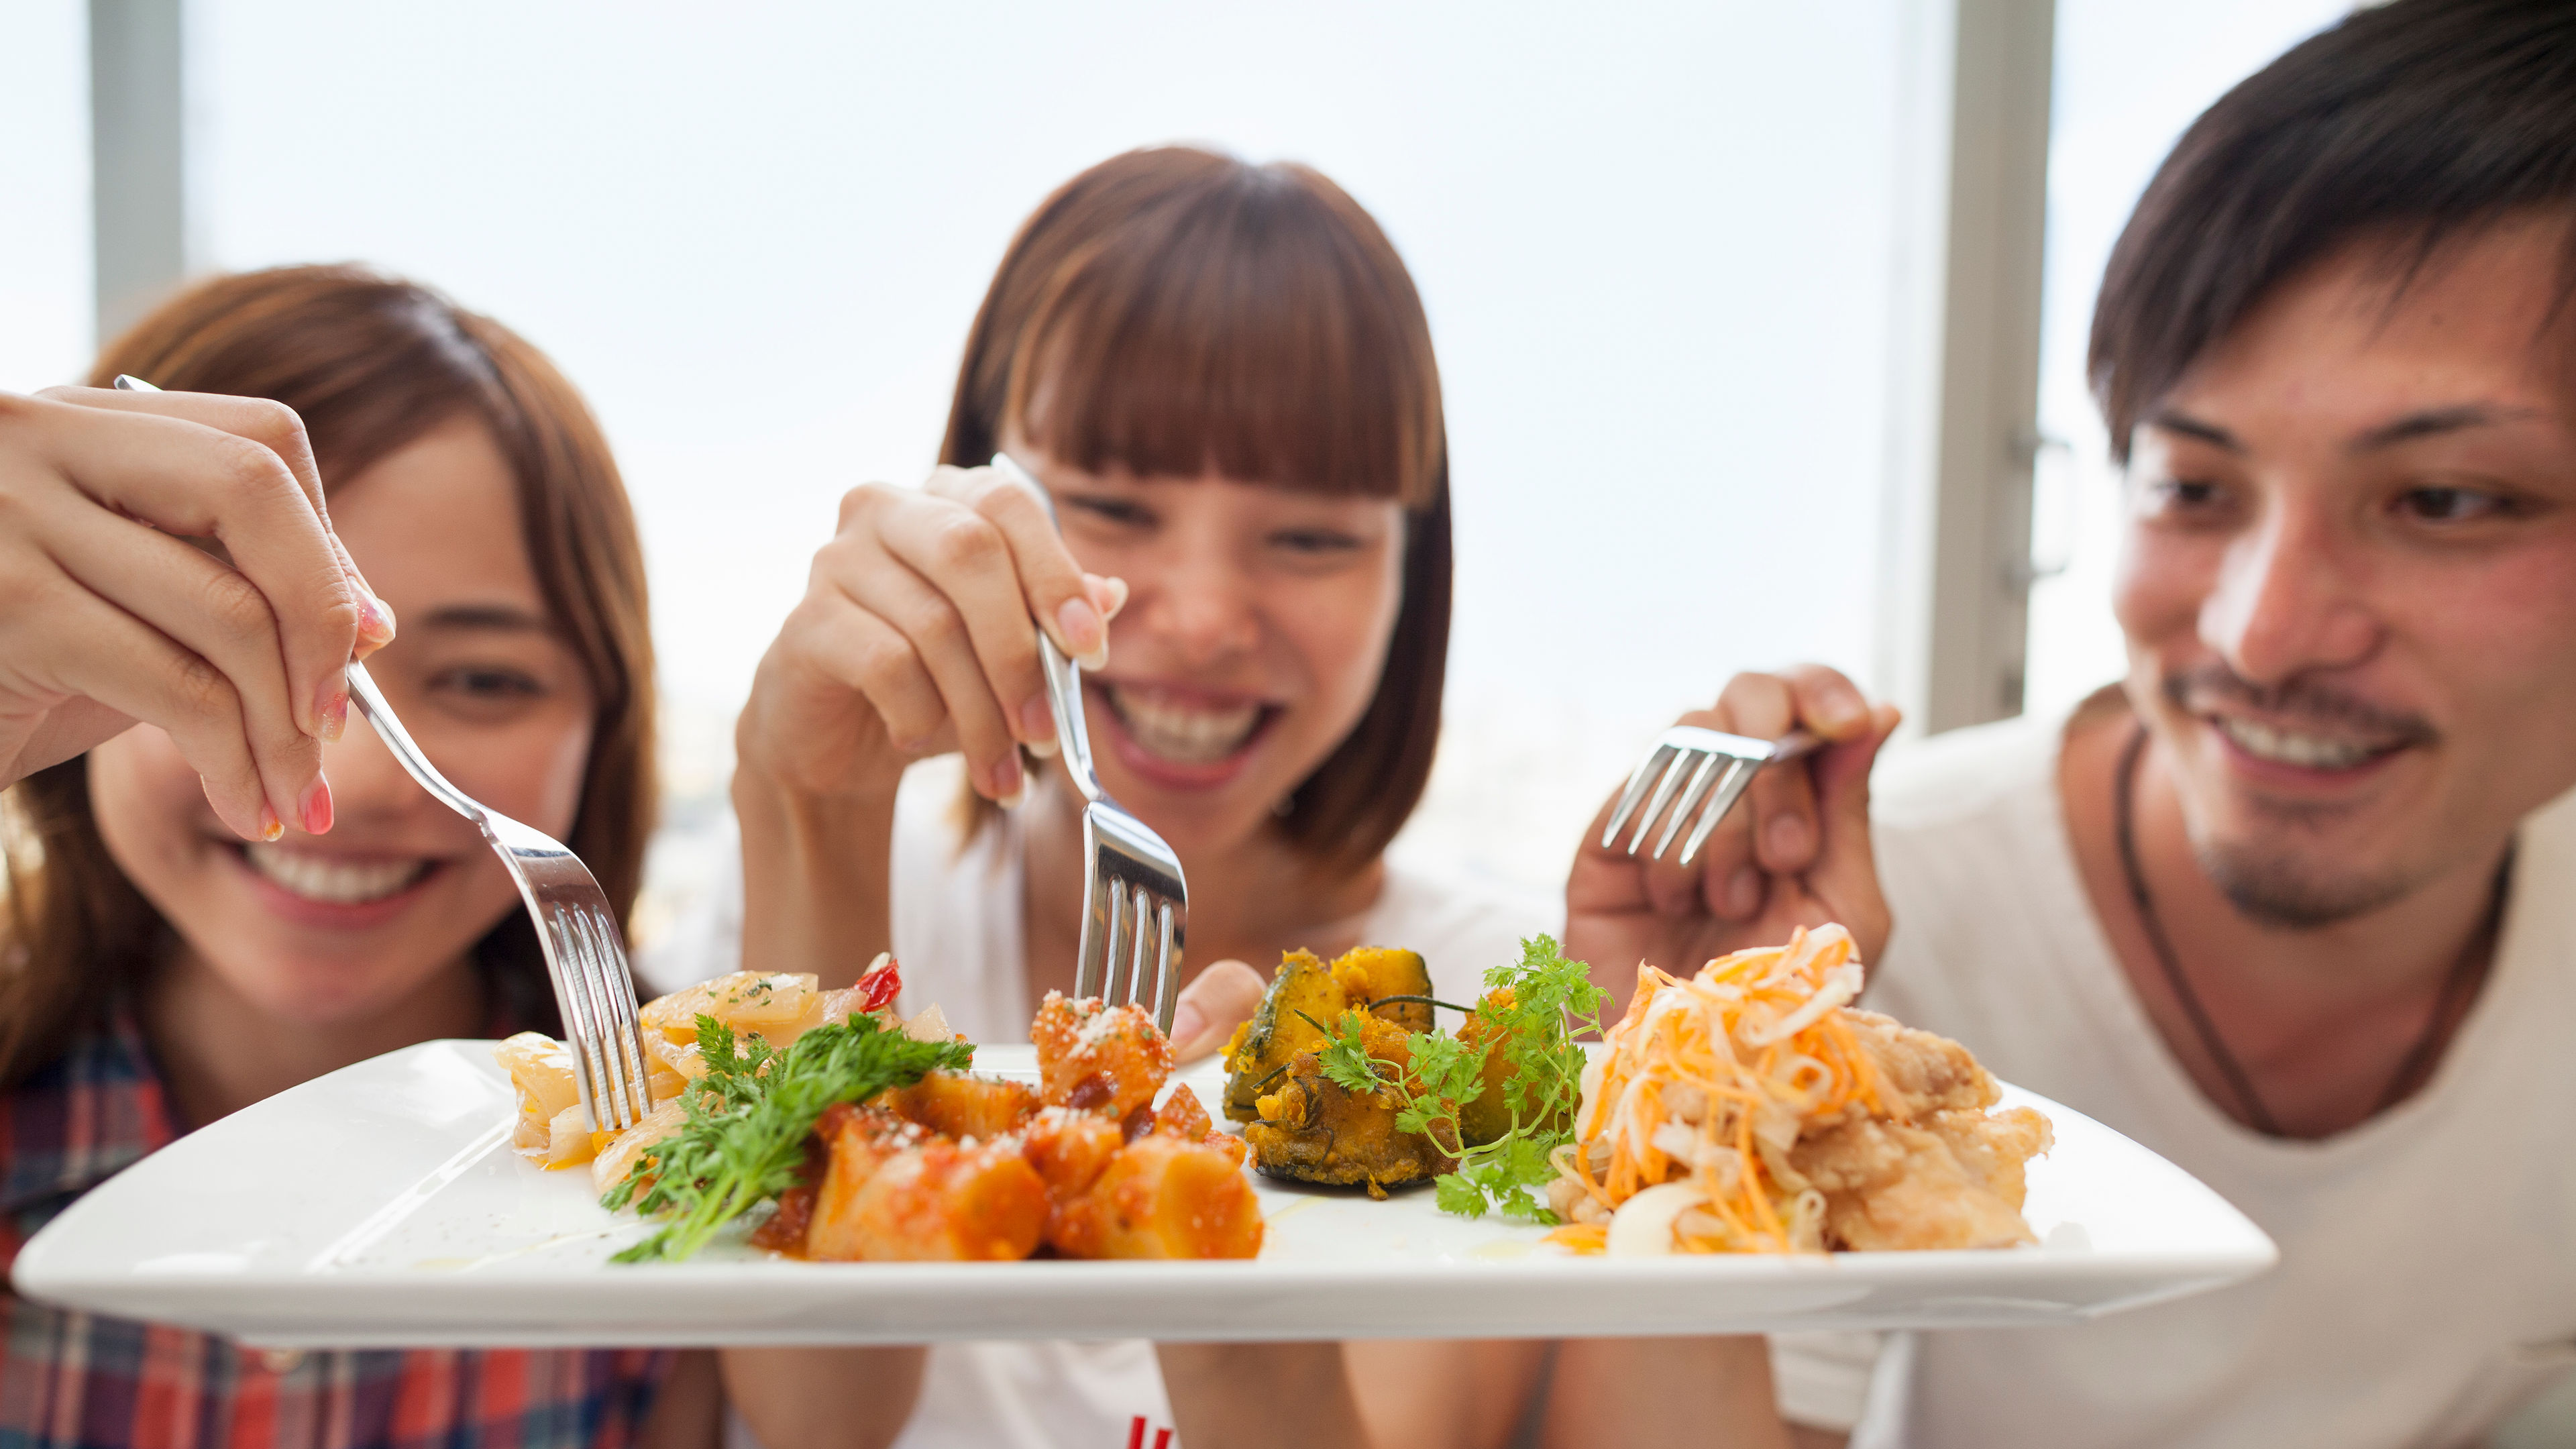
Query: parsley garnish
x,y
748,1119
1553,1001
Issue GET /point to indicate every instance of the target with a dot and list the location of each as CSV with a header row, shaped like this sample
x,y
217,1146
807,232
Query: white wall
x,y
44,193
1655,242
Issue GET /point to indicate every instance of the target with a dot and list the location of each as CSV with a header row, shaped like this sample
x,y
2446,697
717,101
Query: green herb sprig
x,y
748,1118
1553,1003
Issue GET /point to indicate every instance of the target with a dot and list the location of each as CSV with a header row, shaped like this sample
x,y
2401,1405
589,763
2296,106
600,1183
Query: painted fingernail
x,y
335,711
1743,892
1787,837
1187,1022
1010,787
1086,635
314,810
269,829
375,620
1037,723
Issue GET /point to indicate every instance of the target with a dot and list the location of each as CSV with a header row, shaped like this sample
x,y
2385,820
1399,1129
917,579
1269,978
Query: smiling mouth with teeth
x,y
2291,747
332,881
1187,734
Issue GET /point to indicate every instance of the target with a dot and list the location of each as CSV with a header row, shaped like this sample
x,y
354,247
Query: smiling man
x,y
2294,904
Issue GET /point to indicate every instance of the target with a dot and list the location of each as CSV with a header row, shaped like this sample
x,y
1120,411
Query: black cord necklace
x,y
2464,973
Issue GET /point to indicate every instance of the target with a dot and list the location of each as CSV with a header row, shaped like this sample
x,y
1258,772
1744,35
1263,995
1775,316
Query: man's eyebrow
x,y
2191,427
484,616
2433,422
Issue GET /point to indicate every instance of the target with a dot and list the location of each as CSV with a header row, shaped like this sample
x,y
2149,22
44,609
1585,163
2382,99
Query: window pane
x,y
2130,78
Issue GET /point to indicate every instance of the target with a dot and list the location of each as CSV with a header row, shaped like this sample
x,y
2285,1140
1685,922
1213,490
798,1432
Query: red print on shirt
x,y
1136,1435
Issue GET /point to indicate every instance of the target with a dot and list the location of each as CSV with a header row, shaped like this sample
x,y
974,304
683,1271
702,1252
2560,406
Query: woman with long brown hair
x,y
1223,377
213,892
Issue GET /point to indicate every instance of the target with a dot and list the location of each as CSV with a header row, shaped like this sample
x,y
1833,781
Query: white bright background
x,y
1655,245
2130,78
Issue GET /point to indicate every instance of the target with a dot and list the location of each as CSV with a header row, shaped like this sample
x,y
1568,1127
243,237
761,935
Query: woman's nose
x,y
1201,614
2283,603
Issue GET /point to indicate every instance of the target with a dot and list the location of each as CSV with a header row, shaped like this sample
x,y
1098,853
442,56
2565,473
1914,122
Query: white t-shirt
x,y
957,935
2427,1282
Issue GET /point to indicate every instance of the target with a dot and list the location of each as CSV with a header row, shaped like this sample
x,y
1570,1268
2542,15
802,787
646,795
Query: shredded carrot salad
x,y
1703,1087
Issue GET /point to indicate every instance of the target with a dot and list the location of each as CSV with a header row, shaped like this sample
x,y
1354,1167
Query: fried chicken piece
x,y
1183,1117
1101,1059
1919,1072
893,1192
1952,1180
1069,1150
1161,1197
960,1105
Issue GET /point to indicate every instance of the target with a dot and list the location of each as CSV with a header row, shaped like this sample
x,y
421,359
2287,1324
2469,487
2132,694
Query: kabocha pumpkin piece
x,y
1489,1116
1302,995
1098,1058
1314,1129
1305,998
1370,975
1161,1197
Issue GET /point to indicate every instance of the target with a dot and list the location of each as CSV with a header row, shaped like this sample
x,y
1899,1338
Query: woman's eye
x,y
1119,511
1314,542
489,684
2449,505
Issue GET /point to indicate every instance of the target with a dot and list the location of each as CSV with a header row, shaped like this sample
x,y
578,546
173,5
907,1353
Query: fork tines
x,y
1702,765
1135,914
597,999
584,950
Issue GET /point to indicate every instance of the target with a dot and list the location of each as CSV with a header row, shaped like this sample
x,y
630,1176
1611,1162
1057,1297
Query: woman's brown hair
x,y
1177,312
370,363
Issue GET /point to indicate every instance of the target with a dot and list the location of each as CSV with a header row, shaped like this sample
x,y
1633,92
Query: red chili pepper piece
x,y
878,989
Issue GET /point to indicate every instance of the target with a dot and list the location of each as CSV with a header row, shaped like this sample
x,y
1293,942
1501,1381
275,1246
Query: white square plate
x,y
382,1206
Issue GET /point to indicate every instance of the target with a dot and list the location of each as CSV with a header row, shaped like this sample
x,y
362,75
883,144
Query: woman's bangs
x,y
1253,336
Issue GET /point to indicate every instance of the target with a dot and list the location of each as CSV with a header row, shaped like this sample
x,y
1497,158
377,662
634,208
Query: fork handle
x,y
1793,744
1063,676
398,741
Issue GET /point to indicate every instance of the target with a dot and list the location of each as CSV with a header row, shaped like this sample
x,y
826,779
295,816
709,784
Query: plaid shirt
x,y
86,1382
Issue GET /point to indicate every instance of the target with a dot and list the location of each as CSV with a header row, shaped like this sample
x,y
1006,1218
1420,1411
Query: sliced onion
x,y
1643,1225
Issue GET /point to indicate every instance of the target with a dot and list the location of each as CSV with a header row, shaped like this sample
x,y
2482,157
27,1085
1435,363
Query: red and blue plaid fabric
x,y
80,1381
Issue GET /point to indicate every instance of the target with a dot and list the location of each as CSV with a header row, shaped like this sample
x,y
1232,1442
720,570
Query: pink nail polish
x,y
1010,787
1037,719
1084,632
375,620
314,810
335,713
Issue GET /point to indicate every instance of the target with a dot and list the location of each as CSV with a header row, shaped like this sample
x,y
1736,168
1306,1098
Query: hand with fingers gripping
x,y
167,558
1795,851
914,639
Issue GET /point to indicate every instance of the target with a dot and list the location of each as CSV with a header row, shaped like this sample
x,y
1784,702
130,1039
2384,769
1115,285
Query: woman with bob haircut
x,y
1223,376
213,892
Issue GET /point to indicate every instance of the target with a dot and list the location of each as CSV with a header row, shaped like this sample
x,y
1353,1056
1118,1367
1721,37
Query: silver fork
x,y
585,952
1718,767
1133,891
